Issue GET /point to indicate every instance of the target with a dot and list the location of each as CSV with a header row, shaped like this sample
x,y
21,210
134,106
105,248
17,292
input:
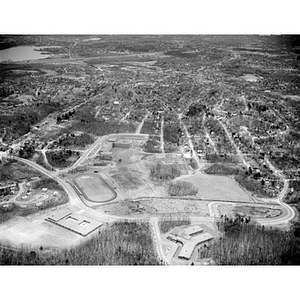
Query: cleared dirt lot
x,y
245,210
212,187
157,207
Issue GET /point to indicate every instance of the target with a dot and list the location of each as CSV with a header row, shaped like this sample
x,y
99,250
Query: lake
x,y
22,53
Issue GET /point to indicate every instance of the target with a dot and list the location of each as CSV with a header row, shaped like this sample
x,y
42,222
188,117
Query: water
x,y
22,53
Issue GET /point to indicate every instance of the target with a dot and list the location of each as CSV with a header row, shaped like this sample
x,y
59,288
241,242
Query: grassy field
x,y
36,232
246,181
94,188
213,187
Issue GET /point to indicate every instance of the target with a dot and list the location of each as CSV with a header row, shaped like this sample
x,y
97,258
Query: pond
x,y
22,53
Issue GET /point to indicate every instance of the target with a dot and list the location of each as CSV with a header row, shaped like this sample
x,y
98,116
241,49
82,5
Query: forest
x,y
247,243
122,243
167,223
14,170
62,159
20,122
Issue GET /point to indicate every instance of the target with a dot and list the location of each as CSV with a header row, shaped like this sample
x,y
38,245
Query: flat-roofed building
x,y
105,155
189,237
79,223
193,230
122,144
188,248
58,215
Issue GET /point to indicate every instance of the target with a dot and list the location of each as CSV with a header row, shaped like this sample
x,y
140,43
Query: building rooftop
x,y
78,223
58,215
188,247
190,237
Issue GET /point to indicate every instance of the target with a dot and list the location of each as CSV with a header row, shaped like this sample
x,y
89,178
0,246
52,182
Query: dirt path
x,y
139,128
126,116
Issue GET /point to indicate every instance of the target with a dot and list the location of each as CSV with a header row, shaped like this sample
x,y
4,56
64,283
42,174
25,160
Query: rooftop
x,y
74,221
190,237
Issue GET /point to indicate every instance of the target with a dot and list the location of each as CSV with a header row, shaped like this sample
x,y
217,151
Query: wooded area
x,y
247,243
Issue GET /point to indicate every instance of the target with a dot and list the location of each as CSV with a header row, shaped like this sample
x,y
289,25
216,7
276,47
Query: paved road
x,y
290,212
208,136
162,143
157,240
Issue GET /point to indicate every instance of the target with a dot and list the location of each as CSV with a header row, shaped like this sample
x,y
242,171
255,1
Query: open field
x,y
212,187
94,188
36,232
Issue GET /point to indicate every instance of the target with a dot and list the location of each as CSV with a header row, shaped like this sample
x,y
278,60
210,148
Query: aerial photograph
x,y
149,150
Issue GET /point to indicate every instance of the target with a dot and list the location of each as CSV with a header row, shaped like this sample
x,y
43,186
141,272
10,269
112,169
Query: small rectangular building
x,y
105,156
122,144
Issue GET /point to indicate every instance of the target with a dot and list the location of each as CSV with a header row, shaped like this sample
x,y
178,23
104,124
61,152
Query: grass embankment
x,y
168,223
122,243
245,243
